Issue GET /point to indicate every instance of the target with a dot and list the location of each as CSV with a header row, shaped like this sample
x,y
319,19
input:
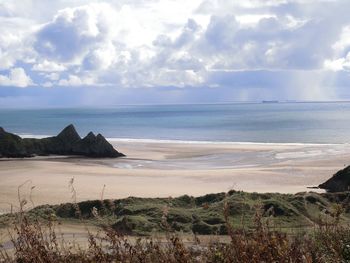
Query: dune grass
x,y
253,238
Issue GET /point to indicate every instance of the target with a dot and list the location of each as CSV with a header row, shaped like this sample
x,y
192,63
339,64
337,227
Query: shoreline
x,y
233,143
181,141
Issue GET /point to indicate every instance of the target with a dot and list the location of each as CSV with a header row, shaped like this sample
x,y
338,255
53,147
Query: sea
x,y
237,122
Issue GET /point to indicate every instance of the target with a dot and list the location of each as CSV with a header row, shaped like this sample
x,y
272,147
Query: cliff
x,y
339,182
67,142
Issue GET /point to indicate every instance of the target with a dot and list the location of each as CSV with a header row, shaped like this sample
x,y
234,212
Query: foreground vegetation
x,y
200,215
305,227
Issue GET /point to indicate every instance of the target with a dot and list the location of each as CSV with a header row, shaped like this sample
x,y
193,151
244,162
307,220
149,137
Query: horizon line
x,y
272,101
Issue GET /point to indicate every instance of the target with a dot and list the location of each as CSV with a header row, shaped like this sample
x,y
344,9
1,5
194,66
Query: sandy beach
x,y
163,168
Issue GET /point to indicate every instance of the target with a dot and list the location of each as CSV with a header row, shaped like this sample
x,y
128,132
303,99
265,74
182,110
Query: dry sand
x,y
162,169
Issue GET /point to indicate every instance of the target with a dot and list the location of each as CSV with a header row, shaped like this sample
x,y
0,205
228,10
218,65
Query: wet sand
x,y
162,169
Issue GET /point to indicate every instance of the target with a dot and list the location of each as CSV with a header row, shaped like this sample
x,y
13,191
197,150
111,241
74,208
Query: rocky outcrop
x,y
11,145
67,142
339,182
95,146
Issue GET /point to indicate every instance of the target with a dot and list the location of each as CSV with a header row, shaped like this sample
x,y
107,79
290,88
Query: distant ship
x,y
270,101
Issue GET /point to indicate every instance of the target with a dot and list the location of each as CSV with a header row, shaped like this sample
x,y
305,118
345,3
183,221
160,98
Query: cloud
x,y
101,58
175,54
338,64
52,76
273,43
17,77
245,49
48,66
74,80
74,32
15,41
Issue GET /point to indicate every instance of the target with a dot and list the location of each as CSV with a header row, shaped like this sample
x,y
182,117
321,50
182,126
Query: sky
x,y
102,53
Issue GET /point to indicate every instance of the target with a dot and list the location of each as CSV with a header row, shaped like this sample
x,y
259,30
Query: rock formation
x,y
94,146
339,182
11,145
67,142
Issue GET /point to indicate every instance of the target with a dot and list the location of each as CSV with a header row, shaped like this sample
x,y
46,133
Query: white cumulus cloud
x,y
74,32
74,80
17,77
246,47
48,66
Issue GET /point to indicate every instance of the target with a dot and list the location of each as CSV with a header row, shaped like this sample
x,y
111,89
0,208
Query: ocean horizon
x,y
307,122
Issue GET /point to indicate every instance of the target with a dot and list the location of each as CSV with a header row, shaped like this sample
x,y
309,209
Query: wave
x,y
175,141
35,136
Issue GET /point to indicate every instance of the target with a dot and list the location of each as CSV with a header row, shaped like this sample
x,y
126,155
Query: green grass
x,y
200,215
306,227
